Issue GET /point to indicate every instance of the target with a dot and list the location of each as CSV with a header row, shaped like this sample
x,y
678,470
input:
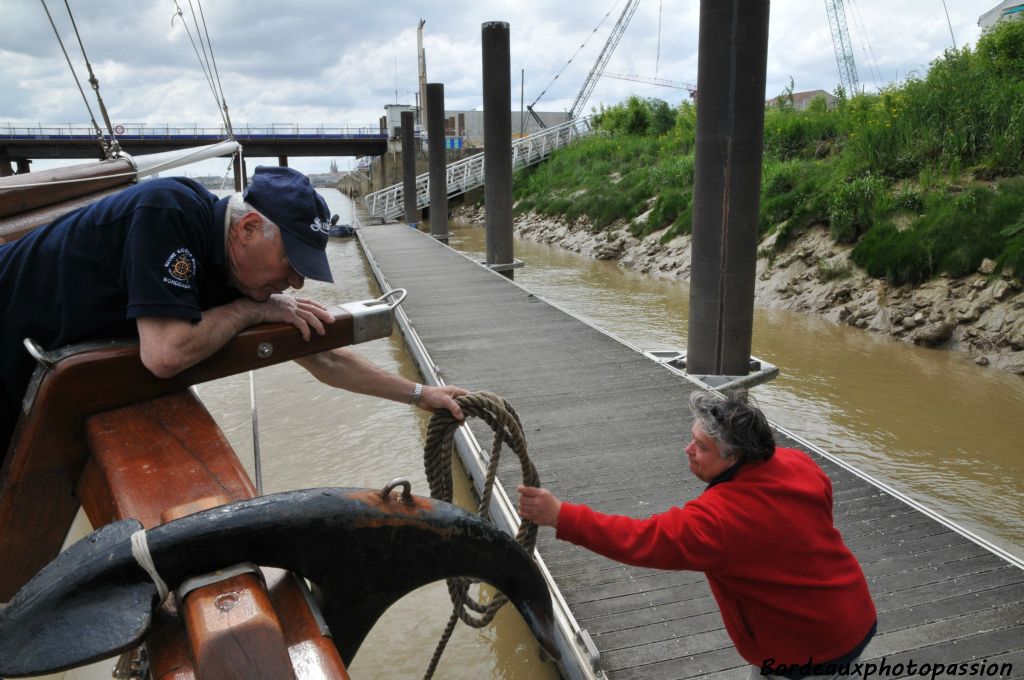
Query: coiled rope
x,y
437,461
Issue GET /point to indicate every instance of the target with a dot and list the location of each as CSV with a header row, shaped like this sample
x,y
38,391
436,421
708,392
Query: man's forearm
x,y
347,370
169,346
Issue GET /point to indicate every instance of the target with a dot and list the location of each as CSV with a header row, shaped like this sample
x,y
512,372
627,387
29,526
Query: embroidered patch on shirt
x,y
181,266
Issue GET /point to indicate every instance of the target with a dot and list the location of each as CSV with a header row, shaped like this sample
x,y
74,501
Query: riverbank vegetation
x,y
924,178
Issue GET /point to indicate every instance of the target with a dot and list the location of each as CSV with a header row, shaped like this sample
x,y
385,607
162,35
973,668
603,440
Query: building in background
x,y
802,100
1008,9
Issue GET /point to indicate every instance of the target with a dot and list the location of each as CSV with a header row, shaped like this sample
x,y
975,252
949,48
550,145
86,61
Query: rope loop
x,y
437,462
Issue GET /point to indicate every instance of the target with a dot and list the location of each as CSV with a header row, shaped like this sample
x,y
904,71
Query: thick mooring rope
x,y
437,461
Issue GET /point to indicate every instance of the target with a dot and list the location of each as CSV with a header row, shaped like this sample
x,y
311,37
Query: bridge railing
x,y
194,131
468,173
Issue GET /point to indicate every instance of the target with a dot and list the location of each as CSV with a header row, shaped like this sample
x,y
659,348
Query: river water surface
x,y
929,423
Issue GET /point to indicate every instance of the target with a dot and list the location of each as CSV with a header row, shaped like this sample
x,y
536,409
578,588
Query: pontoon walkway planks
x,y
607,426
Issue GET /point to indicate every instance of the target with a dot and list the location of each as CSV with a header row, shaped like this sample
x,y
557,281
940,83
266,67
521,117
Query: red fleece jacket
x,y
786,584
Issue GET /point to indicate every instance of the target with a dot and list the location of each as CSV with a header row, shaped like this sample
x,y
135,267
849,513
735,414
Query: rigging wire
x,y
107,152
208,65
115,148
213,60
204,67
202,44
869,52
575,54
949,23
814,3
257,462
227,173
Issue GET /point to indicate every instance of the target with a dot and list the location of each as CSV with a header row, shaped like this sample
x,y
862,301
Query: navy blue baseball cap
x,y
287,198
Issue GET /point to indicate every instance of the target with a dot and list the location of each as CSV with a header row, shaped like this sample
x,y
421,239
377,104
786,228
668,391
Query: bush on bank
x,y
922,177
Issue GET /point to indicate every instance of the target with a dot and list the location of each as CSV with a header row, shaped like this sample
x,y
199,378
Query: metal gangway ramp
x,y
606,426
461,176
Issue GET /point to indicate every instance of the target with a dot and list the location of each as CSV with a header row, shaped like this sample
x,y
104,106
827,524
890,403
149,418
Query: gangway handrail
x,y
468,173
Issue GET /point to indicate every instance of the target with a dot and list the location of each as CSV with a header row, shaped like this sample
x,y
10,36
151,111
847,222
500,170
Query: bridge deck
x,y
606,426
256,144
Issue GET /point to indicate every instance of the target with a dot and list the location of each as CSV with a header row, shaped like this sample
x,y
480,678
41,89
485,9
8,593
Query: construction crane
x,y
841,42
595,72
689,87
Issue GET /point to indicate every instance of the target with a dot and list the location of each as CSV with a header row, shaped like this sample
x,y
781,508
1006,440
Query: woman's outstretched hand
x,y
538,505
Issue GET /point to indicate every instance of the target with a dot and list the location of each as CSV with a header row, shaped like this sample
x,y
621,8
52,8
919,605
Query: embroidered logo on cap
x,y
181,265
322,226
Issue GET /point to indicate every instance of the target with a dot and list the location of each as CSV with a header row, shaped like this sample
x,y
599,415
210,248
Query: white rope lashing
x,y
140,551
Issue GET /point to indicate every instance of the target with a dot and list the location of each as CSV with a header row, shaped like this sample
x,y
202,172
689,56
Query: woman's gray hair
x,y
238,208
740,429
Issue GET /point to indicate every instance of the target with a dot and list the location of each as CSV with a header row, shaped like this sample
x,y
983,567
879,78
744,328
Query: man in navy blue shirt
x,y
168,261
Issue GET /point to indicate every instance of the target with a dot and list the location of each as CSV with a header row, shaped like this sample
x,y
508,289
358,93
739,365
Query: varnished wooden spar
x,y
16,226
60,184
33,199
29,191
48,450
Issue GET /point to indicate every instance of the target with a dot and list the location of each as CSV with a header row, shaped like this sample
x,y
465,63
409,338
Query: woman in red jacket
x,y
793,597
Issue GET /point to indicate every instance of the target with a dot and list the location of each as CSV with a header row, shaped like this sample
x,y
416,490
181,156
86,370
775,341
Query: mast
x,y
422,61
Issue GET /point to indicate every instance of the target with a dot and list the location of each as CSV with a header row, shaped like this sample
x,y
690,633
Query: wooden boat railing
x,y
99,429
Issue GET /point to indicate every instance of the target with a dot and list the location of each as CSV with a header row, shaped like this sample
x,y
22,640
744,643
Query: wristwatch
x,y
416,394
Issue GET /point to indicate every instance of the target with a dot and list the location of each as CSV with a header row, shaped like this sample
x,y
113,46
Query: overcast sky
x,y
338,62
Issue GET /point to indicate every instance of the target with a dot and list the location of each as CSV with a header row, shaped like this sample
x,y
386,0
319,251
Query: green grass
x,y
957,231
918,176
